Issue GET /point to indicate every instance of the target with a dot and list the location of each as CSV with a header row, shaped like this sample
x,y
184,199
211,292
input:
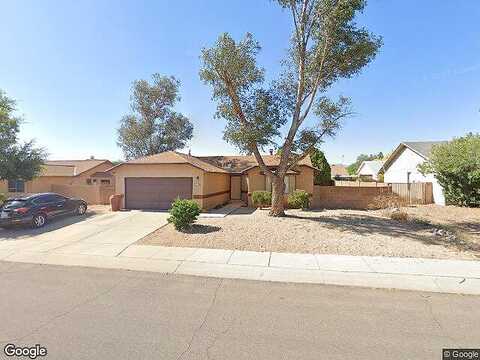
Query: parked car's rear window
x,y
14,203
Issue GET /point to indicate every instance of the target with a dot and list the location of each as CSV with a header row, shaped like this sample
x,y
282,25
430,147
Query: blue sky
x,y
70,65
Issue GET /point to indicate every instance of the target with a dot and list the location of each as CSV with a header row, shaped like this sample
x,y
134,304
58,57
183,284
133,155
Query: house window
x,y
89,181
16,186
105,182
289,181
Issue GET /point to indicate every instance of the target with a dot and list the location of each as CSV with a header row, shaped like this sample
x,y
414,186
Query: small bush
x,y
3,197
299,199
386,201
183,213
262,198
399,215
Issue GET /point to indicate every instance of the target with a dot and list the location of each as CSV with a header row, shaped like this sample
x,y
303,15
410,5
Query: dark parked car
x,y
36,210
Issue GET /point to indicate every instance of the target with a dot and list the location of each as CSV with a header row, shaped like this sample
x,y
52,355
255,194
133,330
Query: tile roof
x,y
239,163
173,157
219,164
69,167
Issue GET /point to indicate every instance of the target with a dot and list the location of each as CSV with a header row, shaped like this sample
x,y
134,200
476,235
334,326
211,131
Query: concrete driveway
x,y
103,234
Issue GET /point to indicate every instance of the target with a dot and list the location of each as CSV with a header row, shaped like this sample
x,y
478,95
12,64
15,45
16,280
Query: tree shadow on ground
x,y
201,229
366,224
243,211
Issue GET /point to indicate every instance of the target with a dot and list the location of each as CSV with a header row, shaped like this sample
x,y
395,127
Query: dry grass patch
x,y
346,232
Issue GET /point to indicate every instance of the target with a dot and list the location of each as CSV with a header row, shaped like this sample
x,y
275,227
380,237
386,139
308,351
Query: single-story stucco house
x,y
61,172
370,170
153,182
402,166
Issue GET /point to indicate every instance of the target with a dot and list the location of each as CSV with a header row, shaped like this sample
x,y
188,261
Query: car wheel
x,y
39,220
82,209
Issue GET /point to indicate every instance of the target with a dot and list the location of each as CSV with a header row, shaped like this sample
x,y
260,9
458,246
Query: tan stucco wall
x,y
82,178
44,183
40,184
257,181
214,183
304,180
159,170
3,187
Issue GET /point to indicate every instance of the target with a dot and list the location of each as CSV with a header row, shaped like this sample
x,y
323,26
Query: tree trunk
x,y
278,189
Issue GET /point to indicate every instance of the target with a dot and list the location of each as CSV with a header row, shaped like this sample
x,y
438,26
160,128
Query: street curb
x,y
415,282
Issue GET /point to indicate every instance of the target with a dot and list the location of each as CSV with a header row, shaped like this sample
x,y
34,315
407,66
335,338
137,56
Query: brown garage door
x,y
155,193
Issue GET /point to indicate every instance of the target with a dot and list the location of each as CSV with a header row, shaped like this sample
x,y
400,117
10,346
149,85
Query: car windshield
x,y
15,203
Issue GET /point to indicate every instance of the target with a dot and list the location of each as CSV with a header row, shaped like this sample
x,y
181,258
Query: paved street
x,y
85,313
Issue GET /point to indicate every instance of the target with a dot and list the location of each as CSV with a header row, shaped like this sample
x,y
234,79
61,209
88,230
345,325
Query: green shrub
x,y
322,173
183,213
3,197
299,199
262,198
456,166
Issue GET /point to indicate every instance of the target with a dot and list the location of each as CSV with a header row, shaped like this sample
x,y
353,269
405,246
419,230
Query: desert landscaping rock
x,y
340,232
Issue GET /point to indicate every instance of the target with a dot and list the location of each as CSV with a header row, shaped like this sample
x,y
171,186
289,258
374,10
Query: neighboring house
x,y
153,182
339,171
402,166
370,170
62,172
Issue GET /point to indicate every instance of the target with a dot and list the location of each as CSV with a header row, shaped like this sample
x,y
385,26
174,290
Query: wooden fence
x,y
414,193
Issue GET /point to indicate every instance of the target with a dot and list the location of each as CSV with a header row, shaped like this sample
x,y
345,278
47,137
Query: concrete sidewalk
x,y
445,276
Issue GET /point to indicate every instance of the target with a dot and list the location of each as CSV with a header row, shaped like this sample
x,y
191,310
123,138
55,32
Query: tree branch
x,y
241,116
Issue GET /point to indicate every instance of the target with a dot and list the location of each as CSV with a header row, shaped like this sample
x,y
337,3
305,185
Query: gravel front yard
x,y
346,232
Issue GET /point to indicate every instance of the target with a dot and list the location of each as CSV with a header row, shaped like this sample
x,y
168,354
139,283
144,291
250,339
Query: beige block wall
x,y
214,183
345,197
159,170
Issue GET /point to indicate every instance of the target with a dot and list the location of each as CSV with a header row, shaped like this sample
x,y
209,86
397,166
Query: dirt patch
x,y
346,232
463,223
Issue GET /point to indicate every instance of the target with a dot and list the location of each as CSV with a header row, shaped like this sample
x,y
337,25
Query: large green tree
x,y
456,166
293,112
18,160
153,126
353,168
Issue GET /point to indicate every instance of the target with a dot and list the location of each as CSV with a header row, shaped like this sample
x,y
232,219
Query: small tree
x,y
323,176
153,126
456,166
18,160
325,46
